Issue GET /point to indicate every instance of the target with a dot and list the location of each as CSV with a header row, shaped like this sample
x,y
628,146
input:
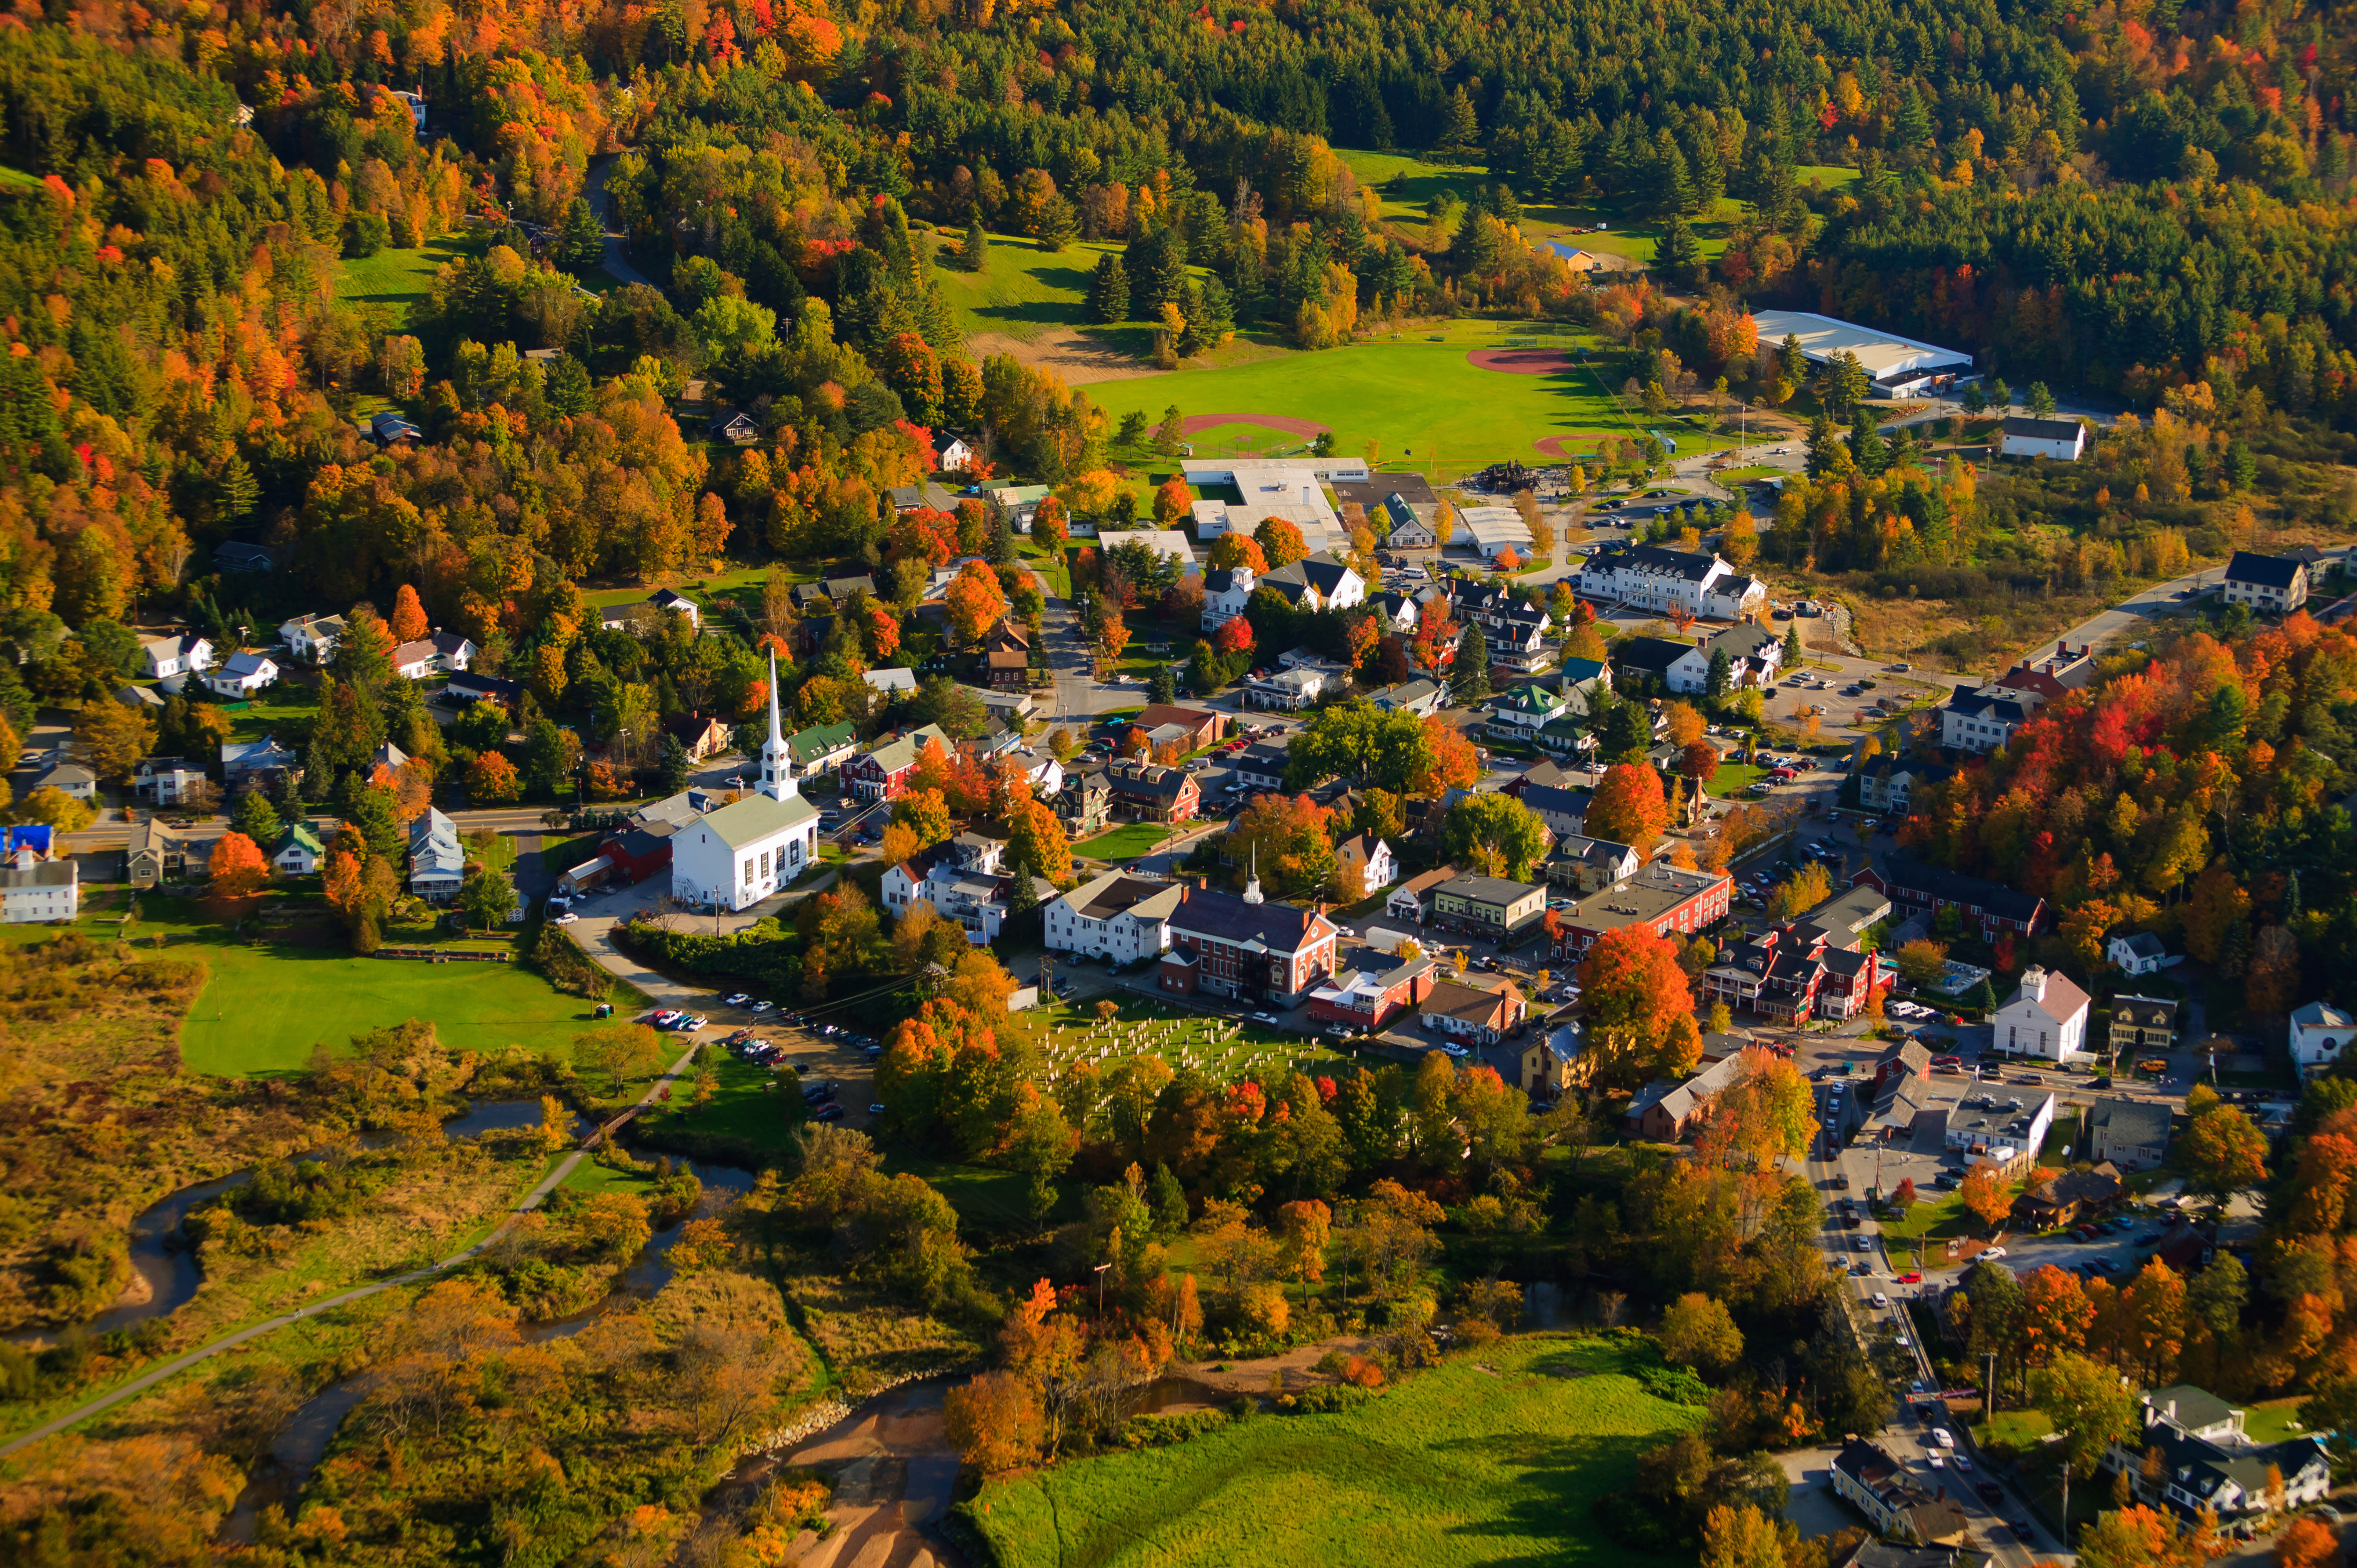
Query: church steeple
x,y
777,762
1252,888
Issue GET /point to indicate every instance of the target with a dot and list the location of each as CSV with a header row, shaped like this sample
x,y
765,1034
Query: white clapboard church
x,y
737,857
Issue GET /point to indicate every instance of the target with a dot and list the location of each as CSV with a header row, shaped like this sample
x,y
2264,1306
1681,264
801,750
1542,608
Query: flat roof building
x,y
1823,339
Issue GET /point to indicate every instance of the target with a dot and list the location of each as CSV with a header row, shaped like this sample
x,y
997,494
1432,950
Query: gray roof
x,y
1489,890
1654,654
757,817
2143,944
2044,429
2133,1122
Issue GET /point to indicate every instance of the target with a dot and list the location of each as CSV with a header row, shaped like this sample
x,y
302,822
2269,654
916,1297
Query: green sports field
x,y
1492,1459
1414,397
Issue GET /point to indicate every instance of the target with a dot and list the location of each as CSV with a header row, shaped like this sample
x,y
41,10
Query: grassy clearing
x,y
2274,1420
1029,292
395,278
265,1006
1936,1216
1123,843
1474,1463
1226,1047
746,1118
1733,777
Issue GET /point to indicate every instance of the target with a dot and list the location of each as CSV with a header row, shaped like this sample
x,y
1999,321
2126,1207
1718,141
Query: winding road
x,y
252,1331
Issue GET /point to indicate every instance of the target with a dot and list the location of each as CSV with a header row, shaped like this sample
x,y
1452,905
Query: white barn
x,y
743,853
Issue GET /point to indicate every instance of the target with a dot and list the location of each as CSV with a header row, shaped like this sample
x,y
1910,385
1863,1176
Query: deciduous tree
x,y
1628,807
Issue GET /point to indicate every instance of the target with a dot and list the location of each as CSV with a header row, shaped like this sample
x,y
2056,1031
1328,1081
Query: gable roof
x,y
757,817
1656,654
803,746
2143,944
1226,918
2044,429
2266,571
2137,1121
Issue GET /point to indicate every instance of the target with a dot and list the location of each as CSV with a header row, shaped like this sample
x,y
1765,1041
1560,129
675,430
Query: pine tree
x,y
581,243
1469,676
236,488
1463,131
1866,446
1791,364
1913,126
1170,435
1161,687
976,251
257,819
1109,290
2039,402
1793,654
1721,680
1821,444
1677,254
676,769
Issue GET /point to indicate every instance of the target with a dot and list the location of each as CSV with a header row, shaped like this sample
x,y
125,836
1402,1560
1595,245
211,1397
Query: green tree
x,y
1108,291
2038,402
257,819
581,243
2089,1405
1495,832
676,769
235,489
1697,1331
488,898
1361,742
1721,679
975,253
1677,254
1170,435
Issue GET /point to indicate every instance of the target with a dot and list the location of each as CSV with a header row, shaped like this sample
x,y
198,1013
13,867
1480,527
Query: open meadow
x,y
1492,1459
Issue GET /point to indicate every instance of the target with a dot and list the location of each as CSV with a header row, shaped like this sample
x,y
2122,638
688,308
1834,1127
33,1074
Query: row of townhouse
x,y
1982,718
1669,581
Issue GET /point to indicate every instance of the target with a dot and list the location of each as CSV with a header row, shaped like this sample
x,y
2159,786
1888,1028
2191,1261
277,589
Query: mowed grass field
x,y
394,278
1489,1463
1412,397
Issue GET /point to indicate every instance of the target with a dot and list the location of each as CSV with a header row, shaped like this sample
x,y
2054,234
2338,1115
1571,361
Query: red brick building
x,y
1244,947
1661,898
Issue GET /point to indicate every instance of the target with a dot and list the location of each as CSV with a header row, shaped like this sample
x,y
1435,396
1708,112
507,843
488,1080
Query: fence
x,y
438,955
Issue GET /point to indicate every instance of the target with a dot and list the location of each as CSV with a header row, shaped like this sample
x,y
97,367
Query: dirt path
x,y
1196,423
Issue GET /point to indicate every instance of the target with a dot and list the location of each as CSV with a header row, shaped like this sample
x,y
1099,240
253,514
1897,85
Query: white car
x,y
1992,1252
566,918
1943,1437
1937,1461
737,999
763,1007
1881,1300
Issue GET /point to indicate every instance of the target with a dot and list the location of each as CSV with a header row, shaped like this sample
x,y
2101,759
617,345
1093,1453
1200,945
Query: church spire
x,y
777,762
1252,888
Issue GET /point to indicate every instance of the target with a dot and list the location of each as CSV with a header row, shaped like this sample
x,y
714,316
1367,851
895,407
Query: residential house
x,y
1661,898
1005,657
2142,1024
1917,888
2209,1462
311,637
2069,1197
1203,727
1396,612
958,454
1892,1499
33,889
437,861
1844,919
2047,1017
965,880
1546,1064
892,682
388,429
2061,439
1261,765
1225,594
145,699
1421,698
1412,899
157,853
1041,771
239,555
2007,1133
1680,667
443,653
1370,858
1018,504
1151,792
2271,584
1582,865
1664,1111
1084,804
648,615
1524,710
71,778
1245,948
1363,1001
1887,784
1395,522
1563,812
2138,953
1288,690
1470,1012
822,748
835,590
464,690
2320,1032
931,495
1646,576
256,764
299,851
1982,719
1488,907
1316,582
881,773
1904,1063
1754,653
734,426
241,675
1521,645
699,734
183,654
1119,916
165,781
2132,1135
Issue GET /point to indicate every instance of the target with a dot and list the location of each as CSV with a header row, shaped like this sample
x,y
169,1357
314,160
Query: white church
x,y
743,853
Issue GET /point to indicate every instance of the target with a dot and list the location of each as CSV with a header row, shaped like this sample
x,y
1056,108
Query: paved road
x,y
593,189
253,1331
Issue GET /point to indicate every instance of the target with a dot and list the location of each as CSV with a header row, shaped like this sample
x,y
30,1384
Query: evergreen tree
x,y
1161,687
236,490
1677,254
581,241
1002,542
568,389
258,819
1170,435
976,253
1058,225
1462,129
2038,402
2000,396
1721,679
1792,651
676,769
1109,290
1822,443
1469,676
1673,191
1866,447
1913,125
1791,364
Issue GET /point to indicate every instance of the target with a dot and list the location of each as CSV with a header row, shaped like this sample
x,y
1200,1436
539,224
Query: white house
x,y
2276,584
33,889
165,779
1526,708
2319,1033
1291,690
1983,719
1316,582
2209,1460
185,655
958,455
965,882
1371,858
311,636
1165,541
2142,954
437,861
2046,1018
297,851
244,674
1119,916
72,778
1041,771
2063,439
1225,594
1647,577
1397,522
1681,667
743,853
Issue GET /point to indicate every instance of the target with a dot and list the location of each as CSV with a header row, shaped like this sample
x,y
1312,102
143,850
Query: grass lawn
x,y
1123,843
1226,1047
265,1006
1935,1217
1424,402
1484,1461
2274,1421
2018,1427
1733,778
395,278
744,1110
278,710
984,1198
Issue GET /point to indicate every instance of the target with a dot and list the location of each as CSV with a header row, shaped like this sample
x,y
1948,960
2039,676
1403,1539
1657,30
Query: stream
x,y
296,1452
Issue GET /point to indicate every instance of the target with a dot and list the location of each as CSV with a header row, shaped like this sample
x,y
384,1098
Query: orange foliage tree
x,y
238,872
975,601
1629,806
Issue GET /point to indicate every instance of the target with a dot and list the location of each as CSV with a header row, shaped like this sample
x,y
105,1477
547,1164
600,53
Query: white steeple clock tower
x,y
777,762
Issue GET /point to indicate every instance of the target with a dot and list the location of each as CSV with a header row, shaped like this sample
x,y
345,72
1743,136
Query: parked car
x,y
736,999
828,1113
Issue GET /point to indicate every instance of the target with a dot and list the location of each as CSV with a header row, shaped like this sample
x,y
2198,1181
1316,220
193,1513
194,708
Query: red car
x,y
1911,1279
